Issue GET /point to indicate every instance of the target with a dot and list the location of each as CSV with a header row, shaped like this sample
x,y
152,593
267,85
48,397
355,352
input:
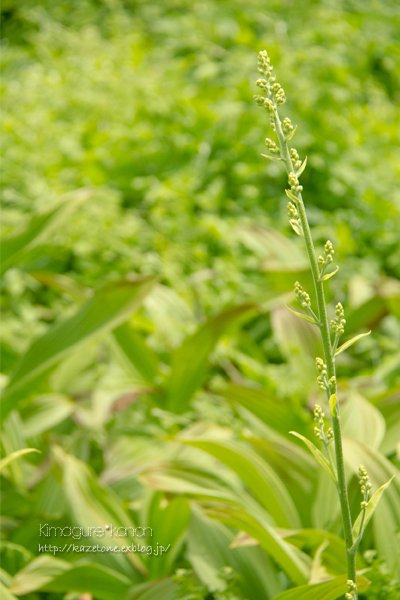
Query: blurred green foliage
x,y
148,107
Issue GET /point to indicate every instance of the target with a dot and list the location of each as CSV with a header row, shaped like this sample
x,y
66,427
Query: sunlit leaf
x,y
371,507
323,461
11,457
329,275
257,475
329,590
349,343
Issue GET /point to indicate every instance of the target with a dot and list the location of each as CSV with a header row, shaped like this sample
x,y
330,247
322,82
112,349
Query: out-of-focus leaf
x,y
99,581
258,477
362,421
349,343
5,593
371,507
323,461
11,457
109,306
166,589
294,563
333,557
386,521
62,283
264,404
45,412
189,361
369,315
169,525
12,248
138,353
93,505
37,573
329,590
209,551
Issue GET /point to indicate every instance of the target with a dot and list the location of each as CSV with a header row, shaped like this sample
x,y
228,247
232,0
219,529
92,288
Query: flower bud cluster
x,y
263,63
295,158
287,126
295,186
322,370
319,418
292,211
351,590
272,147
338,324
330,434
329,251
278,93
323,262
365,485
302,296
275,93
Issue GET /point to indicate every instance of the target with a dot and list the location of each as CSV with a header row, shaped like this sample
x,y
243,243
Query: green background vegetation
x,y
131,146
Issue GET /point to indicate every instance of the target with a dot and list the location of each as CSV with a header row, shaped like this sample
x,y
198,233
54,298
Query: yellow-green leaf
x,y
14,455
372,504
349,343
323,461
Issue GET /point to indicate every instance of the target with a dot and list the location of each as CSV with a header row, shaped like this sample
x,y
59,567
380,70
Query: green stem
x,y
328,355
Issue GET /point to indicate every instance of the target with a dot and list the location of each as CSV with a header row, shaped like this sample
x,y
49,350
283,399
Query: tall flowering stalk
x,y
332,461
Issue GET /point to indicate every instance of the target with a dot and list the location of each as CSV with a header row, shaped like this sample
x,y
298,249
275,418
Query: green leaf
x,y
294,563
371,507
329,590
209,551
189,361
14,455
37,573
386,521
271,157
5,593
258,476
303,166
296,227
166,589
143,359
265,405
45,412
302,316
291,134
318,455
94,505
12,248
99,581
110,305
291,196
329,275
349,343
333,405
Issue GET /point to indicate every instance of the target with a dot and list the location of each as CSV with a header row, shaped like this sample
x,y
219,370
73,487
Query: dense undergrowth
x,y
146,249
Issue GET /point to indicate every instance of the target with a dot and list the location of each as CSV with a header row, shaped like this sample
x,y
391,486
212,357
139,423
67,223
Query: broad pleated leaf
x,y
329,590
110,305
258,476
189,361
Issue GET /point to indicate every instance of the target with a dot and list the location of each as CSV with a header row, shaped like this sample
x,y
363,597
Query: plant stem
x,y
328,355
